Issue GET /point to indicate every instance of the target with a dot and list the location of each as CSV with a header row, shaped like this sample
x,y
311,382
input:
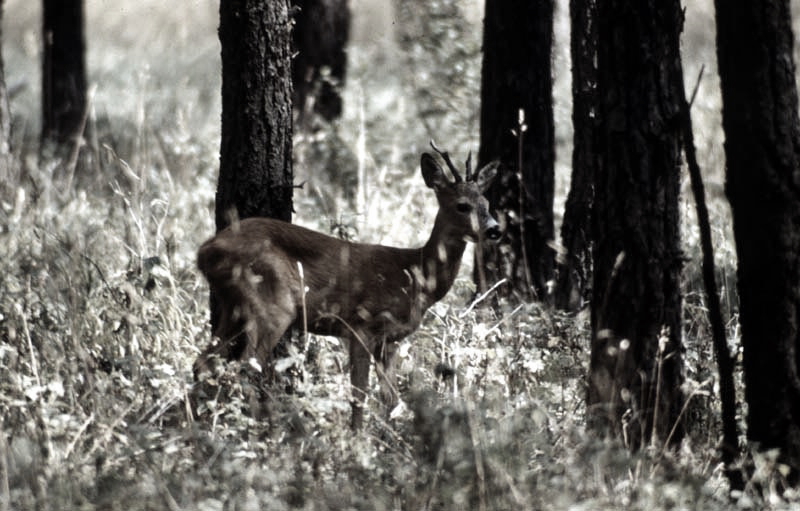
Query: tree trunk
x,y
63,71
5,120
318,70
762,150
635,368
255,171
516,77
573,286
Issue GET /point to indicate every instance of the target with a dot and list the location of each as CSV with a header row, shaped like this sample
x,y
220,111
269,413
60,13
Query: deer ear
x,y
486,175
432,172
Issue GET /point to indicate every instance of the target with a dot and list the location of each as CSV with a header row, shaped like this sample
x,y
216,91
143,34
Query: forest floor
x,y
102,310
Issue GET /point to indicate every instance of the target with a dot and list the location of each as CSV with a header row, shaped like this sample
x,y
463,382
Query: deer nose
x,y
493,233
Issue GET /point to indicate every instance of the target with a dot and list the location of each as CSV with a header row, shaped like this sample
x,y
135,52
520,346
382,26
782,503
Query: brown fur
x,y
371,295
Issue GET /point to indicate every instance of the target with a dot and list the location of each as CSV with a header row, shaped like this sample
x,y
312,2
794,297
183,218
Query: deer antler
x,y
449,162
468,165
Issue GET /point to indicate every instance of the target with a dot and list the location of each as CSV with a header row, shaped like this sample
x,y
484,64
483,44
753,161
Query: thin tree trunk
x,y
727,388
5,119
319,66
63,71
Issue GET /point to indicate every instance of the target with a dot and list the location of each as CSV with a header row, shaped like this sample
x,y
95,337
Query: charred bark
x,y
635,375
516,78
255,176
63,71
762,149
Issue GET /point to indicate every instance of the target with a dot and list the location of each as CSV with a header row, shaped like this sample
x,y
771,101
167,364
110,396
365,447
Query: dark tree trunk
x,y
63,71
255,171
573,286
635,369
5,119
318,71
516,76
762,149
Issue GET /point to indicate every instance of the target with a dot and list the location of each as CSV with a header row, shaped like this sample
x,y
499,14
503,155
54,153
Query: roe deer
x,y
371,295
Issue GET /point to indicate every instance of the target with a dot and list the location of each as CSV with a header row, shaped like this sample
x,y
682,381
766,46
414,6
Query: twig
x,y
76,148
303,297
506,318
659,368
169,500
684,408
5,498
481,298
519,132
27,332
78,435
697,85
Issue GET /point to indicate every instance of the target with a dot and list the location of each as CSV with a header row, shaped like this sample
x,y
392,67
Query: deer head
x,y
461,201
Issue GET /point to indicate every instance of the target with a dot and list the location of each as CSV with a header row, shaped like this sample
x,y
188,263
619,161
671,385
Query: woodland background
x,y
102,311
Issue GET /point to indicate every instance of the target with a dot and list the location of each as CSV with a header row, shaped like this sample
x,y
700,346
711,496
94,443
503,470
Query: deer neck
x,y
441,258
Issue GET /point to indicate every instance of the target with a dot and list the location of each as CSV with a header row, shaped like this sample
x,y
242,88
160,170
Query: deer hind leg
x,y
252,314
384,355
359,380
271,310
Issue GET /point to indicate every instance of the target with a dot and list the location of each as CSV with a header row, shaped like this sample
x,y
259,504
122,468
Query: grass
x,y
102,311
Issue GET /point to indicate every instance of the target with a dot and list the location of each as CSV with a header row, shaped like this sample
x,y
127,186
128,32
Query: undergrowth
x,y
102,310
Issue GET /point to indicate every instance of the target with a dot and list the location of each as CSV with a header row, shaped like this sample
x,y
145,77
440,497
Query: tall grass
x,y
102,311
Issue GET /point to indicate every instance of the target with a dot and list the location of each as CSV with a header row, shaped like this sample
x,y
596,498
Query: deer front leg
x,y
359,380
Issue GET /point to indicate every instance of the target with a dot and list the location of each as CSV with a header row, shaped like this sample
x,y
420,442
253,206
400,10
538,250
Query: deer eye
x,y
463,207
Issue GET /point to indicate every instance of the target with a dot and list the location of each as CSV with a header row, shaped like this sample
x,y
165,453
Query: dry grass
x,y
102,311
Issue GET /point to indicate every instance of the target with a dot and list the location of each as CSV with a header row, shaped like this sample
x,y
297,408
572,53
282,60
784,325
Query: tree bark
x,y
63,71
635,370
762,150
5,119
516,77
255,174
573,283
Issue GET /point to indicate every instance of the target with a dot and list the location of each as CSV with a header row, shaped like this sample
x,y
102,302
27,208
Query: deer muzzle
x,y
492,232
